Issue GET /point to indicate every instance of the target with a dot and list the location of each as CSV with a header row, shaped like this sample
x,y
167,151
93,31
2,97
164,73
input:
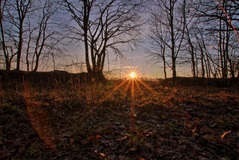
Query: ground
x,y
109,121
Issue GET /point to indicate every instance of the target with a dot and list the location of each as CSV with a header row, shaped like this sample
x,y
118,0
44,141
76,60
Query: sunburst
x,y
132,83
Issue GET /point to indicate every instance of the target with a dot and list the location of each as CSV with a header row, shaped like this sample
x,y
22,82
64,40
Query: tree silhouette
x,y
104,25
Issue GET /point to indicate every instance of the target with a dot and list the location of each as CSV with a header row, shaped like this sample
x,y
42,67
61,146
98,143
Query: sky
x,y
146,69
137,60
115,67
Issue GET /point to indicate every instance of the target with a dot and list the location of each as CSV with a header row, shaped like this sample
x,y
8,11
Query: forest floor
x,y
113,122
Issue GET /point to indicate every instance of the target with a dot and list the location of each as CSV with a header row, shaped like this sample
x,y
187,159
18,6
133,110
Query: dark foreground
x,y
86,122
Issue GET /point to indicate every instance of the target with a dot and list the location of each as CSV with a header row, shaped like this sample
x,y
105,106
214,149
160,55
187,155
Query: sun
x,y
132,75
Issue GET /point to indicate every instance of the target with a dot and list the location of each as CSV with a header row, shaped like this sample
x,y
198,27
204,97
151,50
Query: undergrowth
x,y
94,121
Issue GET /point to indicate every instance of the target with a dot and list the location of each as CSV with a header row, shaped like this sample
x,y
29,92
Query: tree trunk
x,y
8,65
85,28
97,76
193,60
19,49
227,53
97,71
164,66
37,63
174,68
172,41
202,64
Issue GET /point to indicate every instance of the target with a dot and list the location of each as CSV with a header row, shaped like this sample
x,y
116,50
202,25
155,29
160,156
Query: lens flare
x,y
132,75
132,84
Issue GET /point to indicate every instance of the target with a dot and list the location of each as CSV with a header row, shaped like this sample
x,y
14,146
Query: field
x,y
70,119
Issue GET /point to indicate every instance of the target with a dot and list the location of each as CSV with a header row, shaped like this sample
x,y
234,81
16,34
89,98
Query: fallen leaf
x,y
225,133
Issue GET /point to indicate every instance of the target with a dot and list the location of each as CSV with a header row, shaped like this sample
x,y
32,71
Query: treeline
x,y
31,32
202,35
195,34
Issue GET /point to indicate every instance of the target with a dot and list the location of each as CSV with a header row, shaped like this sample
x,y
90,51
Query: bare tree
x,y
190,44
207,30
7,46
20,9
43,34
158,39
171,12
220,20
32,29
103,26
3,44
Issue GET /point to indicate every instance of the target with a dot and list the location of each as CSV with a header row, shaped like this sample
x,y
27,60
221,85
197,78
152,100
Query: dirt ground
x,y
120,122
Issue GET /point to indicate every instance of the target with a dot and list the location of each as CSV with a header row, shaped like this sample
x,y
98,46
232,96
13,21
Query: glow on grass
x,y
132,75
133,83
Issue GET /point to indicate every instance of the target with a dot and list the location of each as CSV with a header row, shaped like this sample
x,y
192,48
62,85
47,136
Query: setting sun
x,y
132,75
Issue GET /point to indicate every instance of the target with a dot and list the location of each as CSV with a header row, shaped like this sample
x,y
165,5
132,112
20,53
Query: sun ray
x,y
132,91
133,83
137,84
132,106
148,87
112,91
127,87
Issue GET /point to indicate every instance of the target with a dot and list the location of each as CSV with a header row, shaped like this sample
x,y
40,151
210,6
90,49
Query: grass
x,y
72,122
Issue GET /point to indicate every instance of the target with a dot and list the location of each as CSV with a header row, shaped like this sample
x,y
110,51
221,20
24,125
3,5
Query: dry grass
x,y
72,122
